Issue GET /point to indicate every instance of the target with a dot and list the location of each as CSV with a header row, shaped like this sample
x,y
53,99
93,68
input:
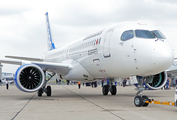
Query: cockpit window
x,y
144,34
127,35
158,34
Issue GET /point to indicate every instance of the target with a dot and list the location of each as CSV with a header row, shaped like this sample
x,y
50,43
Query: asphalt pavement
x,y
70,103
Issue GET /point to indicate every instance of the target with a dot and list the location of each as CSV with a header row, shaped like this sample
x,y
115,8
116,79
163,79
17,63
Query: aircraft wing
x,y
54,67
11,62
47,66
172,70
25,58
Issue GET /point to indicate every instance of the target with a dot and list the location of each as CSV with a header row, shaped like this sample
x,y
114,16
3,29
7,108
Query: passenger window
x,y
127,35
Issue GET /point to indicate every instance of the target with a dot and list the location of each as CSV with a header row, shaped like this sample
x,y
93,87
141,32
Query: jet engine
x,y
29,78
157,81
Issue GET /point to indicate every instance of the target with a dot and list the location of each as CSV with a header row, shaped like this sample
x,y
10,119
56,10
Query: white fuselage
x,y
105,55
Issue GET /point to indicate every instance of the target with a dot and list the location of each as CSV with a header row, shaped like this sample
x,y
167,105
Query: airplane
x,y
9,78
119,51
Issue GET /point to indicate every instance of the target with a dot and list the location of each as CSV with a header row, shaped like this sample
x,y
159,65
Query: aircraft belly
x,y
78,73
92,65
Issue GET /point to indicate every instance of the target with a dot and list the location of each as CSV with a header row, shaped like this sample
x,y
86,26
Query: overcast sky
x,y
23,25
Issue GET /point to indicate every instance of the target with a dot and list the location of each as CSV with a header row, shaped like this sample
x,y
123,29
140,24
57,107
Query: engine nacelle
x,y
29,78
158,81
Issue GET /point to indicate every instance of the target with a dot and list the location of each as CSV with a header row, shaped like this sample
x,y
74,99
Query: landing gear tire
x,y
138,101
105,89
114,90
49,92
40,91
144,99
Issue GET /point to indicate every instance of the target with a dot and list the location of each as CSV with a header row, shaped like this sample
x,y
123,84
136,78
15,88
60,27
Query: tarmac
x,y
70,103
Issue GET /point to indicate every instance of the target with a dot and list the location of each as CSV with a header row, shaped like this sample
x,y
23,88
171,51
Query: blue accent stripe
x,y
16,77
51,45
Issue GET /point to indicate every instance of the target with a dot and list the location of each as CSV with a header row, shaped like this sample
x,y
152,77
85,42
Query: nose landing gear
x,y
140,100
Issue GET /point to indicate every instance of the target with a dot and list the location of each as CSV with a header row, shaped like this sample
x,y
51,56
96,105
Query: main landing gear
x,y
140,100
109,88
45,89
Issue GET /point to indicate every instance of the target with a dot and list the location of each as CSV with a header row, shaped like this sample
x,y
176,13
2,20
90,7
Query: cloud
x,y
23,27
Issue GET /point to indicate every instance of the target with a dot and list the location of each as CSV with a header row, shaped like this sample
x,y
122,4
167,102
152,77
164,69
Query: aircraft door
x,y
106,44
66,53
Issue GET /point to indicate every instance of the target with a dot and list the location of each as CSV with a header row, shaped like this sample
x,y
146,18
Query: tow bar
x,y
151,101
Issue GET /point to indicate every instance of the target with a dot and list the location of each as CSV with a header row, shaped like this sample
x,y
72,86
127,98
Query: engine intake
x,y
158,81
29,78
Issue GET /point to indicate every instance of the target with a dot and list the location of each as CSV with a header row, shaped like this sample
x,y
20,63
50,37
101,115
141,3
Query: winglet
x,y
51,45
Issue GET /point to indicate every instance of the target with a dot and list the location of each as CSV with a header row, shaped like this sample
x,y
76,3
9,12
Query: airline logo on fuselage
x,y
94,51
97,41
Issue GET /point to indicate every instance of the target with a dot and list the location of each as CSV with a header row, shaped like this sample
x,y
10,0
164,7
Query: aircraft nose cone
x,y
163,56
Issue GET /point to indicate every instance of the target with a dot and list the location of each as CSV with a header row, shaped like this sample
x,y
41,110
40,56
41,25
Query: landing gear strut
x,y
140,100
45,89
109,88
